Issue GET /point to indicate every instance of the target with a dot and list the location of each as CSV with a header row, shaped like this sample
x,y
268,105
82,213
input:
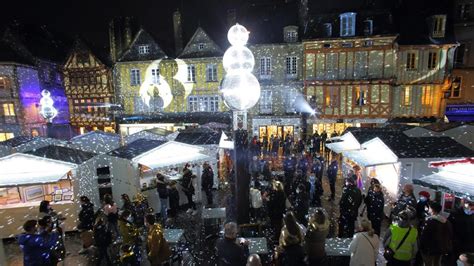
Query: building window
x,y
347,24
460,52
291,66
406,96
265,67
439,23
3,83
144,49
361,95
432,60
191,73
411,61
205,103
290,100
9,113
464,11
201,46
292,36
211,72
135,77
6,136
331,97
155,75
266,102
456,88
426,95
82,58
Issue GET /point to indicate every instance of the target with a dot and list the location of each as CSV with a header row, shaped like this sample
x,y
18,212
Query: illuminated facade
x,y
89,90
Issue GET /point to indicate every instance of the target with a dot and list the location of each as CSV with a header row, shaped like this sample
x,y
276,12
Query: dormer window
x,y
327,29
368,27
348,21
144,49
438,26
201,46
292,36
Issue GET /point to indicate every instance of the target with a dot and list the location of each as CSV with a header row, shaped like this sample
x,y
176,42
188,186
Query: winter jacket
x,y
350,201
315,240
187,182
256,198
375,205
37,248
303,166
275,145
403,202
364,249
128,231
436,237
162,189
332,171
174,198
229,253
292,255
102,236
207,179
86,217
276,205
289,165
301,206
254,168
157,247
463,230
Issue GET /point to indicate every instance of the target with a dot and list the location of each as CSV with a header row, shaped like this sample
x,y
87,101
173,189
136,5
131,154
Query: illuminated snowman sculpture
x,y
240,88
47,109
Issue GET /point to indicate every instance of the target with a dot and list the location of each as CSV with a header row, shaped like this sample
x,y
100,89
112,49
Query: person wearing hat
x,y
349,208
422,207
401,238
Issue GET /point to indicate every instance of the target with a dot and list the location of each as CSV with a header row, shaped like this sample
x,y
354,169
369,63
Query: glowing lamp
x,y
47,109
239,88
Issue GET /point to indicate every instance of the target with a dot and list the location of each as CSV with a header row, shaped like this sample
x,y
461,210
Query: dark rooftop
x,y
64,154
98,133
197,117
199,136
7,54
136,148
17,141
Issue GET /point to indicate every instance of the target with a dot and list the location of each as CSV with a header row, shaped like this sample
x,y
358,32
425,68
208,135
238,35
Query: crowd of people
x,y
417,233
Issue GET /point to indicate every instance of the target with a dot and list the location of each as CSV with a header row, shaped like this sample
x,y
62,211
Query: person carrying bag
x,y
401,241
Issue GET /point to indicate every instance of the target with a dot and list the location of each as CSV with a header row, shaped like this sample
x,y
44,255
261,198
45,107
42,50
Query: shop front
x,y
337,126
276,126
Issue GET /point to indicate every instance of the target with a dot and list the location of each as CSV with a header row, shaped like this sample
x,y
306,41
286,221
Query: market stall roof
x,y
136,148
198,136
64,154
225,142
96,142
145,134
373,152
456,178
16,141
343,143
25,169
171,154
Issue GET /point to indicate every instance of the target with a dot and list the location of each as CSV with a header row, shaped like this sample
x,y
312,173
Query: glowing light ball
x,y
240,88
238,35
238,58
47,109
241,91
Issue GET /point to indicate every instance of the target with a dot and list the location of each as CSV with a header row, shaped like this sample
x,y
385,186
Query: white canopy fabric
x,y
143,135
457,178
171,154
224,143
24,169
345,142
373,152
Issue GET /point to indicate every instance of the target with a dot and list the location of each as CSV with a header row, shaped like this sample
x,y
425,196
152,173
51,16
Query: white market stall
x,y
345,142
454,180
26,143
26,180
133,168
98,142
153,134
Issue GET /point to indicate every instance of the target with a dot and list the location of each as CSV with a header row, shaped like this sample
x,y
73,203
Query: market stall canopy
x,y
171,154
96,142
455,177
153,134
225,142
24,169
198,136
345,142
26,143
136,148
373,152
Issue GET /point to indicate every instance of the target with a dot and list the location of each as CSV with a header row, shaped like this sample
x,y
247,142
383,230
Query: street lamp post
x,y
48,112
241,91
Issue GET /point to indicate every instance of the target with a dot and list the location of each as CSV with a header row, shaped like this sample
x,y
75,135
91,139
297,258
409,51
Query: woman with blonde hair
x,y
315,238
290,251
364,246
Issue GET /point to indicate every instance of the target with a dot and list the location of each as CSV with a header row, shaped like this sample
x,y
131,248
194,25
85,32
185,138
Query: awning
x,y
373,152
455,179
171,154
343,143
225,143
23,169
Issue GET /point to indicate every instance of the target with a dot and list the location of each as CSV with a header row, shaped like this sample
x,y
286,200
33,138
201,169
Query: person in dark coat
x,y
462,221
103,239
265,145
406,200
436,237
275,146
332,176
276,206
173,199
303,165
422,207
290,251
207,182
349,208
229,252
86,221
188,189
301,206
315,238
375,204
289,168
37,248
162,188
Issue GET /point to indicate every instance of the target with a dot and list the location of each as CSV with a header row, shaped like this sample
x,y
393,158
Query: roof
x,y
145,134
142,38
7,54
101,53
32,170
414,147
64,154
440,127
96,134
17,141
198,136
191,50
196,117
136,148
96,141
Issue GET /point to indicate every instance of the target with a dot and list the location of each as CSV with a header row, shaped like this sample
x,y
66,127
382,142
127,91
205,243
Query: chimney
x,y
112,46
127,34
178,32
437,25
231,17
